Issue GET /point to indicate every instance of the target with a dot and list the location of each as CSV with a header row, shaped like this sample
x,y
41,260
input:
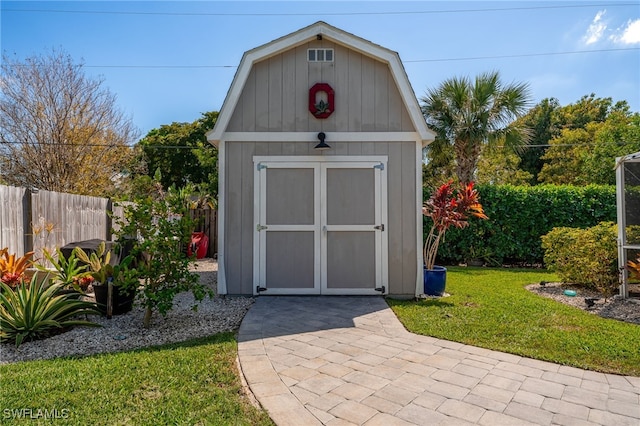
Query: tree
x,y
544,125
498,166
470,114
164,228
183,155
564,159
618,136
594,132
587,110
60,130
438,167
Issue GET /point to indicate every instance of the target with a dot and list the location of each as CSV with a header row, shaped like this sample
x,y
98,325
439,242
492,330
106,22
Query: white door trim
x,y
319,158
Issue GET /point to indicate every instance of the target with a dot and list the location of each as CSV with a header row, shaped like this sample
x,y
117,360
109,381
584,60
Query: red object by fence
x,y
199,245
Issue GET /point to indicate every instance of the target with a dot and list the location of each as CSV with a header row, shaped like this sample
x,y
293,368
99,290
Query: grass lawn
x,y
490,308
191,383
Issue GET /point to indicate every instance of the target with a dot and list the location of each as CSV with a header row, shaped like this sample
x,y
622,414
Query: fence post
x,y
108,221
26,221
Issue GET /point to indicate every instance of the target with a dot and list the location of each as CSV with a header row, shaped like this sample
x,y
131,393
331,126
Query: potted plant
x,y
447,206
114,285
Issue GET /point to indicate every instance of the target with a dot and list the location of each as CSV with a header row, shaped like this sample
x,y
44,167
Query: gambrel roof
x,y
340,37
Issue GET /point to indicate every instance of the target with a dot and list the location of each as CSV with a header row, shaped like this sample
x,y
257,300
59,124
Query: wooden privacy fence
x,y
33,220
45,219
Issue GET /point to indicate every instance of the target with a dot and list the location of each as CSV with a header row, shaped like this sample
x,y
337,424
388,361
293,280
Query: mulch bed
x,y
615,307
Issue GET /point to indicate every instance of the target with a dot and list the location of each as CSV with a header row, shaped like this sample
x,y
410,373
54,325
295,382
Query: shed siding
x,y
275,96
240,204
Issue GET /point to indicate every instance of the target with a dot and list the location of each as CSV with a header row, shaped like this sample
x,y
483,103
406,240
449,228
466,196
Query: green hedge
x,y
519,216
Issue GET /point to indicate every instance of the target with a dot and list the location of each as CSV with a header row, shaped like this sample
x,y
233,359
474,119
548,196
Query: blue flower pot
x,y
435,280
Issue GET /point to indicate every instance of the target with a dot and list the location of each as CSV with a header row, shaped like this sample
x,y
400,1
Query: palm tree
x,y
469,114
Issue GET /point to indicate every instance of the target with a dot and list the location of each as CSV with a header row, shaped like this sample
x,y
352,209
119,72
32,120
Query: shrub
x,y
34,311
519,216
585,256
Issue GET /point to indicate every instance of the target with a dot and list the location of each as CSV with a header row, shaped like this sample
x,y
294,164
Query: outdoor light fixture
x,y
322,145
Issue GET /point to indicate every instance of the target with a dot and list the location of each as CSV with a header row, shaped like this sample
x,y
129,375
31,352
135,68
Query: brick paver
x,y
348,360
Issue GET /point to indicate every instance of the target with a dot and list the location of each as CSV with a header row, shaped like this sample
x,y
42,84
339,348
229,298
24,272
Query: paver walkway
x,y
348,360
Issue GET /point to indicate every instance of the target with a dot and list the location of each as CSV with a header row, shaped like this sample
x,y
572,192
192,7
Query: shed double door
x,y
320,227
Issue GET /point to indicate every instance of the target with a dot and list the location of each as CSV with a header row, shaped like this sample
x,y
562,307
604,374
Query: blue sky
x,y
171,61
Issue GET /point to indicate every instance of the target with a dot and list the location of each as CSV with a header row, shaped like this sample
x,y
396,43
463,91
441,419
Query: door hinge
x,y
261,166
380,227
260,227
382,289
259,289
379,166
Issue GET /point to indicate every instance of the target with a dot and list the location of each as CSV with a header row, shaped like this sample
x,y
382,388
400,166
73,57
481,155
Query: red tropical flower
x,y
11,279
449,206
83,281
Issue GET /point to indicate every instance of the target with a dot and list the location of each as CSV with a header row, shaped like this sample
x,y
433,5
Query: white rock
x,y
125,332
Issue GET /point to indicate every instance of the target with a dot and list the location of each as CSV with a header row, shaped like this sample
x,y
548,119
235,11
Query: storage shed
x,y
320,143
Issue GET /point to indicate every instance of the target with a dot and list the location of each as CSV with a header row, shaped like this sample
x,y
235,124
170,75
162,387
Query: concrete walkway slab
x,y
349,361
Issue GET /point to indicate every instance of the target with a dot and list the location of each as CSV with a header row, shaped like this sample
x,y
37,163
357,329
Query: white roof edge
x,y
335,35
629,157
633,156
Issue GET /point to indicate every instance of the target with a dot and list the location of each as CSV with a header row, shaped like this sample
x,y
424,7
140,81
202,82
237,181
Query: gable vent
x,y
320,55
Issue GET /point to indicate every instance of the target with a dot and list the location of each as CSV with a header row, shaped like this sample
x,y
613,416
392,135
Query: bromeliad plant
x,y
35,310
115,277
12,267
98,263
69,273
448,206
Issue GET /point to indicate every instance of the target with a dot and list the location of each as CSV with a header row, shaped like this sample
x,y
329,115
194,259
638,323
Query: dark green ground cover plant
x,y
190,383
490,308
